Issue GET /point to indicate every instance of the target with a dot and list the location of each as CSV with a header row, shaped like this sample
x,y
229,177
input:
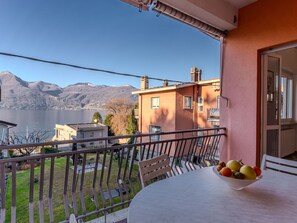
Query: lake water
x,y
45,120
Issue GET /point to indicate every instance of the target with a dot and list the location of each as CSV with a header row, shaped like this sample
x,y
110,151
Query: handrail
x,y
61,142
108,176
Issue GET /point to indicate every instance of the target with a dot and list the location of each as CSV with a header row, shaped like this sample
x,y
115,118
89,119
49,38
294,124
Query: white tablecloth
x,y
200,196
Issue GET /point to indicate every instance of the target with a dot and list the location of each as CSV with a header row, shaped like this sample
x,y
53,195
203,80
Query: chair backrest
x,y
279,164
154,168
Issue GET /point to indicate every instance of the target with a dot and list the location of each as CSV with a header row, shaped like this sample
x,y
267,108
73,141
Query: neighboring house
x,y
81,131
180,106
4,131
4,134
258,40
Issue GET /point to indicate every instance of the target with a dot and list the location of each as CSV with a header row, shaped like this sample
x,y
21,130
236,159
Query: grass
x,y
23,188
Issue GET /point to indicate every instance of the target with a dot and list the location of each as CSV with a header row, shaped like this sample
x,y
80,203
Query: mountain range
x,y
22,95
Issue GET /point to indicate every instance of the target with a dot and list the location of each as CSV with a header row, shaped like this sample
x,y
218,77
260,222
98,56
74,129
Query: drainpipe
x,y
221,70
194,107
140,114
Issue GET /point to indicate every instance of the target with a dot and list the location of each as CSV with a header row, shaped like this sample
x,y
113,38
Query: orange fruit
x,y
225,171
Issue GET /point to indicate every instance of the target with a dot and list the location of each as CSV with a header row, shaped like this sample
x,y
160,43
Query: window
x,y
155,129
200,104
155,102
218,101
286,97
187,102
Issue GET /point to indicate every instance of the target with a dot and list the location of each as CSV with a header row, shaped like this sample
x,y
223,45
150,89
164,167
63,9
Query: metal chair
x,y
154,168
279,164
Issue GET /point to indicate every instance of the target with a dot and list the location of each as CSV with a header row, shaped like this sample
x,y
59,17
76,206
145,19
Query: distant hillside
x,y
20,94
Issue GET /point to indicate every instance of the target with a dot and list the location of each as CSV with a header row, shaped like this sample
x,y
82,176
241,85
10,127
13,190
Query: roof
x,y
177,86
86,126
7,123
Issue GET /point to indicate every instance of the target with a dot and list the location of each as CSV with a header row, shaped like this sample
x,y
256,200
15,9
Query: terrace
x,y
94,182
253,121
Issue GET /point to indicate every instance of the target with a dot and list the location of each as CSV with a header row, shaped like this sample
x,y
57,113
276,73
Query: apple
x,y
233,165
248,172
257,170
225,171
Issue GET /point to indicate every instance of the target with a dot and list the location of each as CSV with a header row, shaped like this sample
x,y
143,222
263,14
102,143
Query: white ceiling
x,y
240,3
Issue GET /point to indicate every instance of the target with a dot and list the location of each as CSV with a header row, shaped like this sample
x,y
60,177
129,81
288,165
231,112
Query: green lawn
x,y
58,185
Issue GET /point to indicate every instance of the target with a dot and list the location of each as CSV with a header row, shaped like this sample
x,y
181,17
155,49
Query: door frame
x,y
264,126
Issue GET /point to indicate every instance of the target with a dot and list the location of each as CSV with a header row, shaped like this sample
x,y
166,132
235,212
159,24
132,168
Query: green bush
x,y
10,153
47,150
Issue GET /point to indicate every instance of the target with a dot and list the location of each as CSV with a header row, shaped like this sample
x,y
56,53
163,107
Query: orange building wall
x,y
184,117
262,24
210,101
164,116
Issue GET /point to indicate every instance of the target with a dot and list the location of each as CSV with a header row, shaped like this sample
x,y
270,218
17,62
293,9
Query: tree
x,y
97,118
32,137
120,108
132,124
107,122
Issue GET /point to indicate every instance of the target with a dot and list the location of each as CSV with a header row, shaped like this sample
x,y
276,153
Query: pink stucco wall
x,y
262,24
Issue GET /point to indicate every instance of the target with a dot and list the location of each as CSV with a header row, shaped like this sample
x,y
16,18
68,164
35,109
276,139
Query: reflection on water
x,y
45,120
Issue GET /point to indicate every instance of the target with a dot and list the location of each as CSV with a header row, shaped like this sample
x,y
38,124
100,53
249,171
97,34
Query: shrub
x,y
47,150
10,153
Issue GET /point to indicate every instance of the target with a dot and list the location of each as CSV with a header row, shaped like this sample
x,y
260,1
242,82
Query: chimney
x,y
144,83
165,83
196,74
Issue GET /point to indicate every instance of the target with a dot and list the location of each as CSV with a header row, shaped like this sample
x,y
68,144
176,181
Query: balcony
x,y
93,182
213,116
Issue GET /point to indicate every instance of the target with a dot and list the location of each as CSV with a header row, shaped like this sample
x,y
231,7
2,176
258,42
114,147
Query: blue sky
x,y
104,34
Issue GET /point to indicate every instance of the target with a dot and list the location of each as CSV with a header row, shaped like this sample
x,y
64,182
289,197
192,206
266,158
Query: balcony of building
x,y
92,183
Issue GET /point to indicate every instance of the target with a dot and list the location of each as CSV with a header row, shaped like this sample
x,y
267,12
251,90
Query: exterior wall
x,y
185,118
172,115
3,132
93,134
64,133
261,25
163,116
209,95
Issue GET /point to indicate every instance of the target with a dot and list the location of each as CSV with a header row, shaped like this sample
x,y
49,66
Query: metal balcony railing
x,y
213,114
92,182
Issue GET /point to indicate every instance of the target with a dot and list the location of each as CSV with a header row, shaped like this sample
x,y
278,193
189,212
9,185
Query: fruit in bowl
x,y
236,174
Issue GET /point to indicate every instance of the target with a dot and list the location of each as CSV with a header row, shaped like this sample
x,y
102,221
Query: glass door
x,y
271,101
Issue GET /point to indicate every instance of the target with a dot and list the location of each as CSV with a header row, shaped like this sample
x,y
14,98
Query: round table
x,y
200,196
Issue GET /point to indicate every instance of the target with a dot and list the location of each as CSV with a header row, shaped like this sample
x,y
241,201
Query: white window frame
x,y
218,101
153,106
288,77
185,102
200,104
